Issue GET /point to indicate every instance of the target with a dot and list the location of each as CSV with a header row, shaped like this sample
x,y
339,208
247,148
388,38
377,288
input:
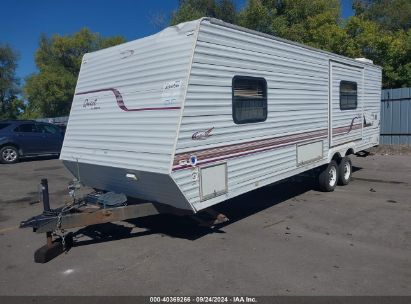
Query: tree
x,y
315,22
194,9
380,29
260,16
50,91
392,15
10,104
372,42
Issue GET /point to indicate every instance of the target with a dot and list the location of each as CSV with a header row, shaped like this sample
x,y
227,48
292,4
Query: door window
x,y
348,95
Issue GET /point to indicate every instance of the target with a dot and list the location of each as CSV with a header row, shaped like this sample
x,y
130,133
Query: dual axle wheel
x,y
335,173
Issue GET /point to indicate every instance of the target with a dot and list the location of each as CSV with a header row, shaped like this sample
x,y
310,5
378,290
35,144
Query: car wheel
x,y
344,171
328,177
9,155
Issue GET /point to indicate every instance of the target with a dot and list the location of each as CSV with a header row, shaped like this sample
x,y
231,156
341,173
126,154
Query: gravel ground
x,y
391,150
286,239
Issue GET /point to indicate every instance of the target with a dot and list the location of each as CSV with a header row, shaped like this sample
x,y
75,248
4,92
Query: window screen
x,y
249,99
348,95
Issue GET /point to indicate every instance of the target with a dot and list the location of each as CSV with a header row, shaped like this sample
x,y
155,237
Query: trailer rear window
x,y
348,95
249,99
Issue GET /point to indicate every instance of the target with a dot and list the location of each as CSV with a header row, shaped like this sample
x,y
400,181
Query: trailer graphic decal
x,y
346,130
120,101
201,135
235,150
90,104
172,92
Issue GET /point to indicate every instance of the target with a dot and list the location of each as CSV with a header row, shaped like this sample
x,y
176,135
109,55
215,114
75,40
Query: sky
x,y
23,21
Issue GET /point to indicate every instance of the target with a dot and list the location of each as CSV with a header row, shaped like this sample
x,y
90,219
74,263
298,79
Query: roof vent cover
x,y
362,59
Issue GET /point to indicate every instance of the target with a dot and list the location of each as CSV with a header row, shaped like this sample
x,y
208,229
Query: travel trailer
x,y
205,111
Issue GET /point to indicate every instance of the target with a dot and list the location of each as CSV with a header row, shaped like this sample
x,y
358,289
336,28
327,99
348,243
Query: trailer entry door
x,y
346,103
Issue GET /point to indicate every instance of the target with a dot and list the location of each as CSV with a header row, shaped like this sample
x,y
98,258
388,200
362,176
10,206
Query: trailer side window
x,y
249,99
348,95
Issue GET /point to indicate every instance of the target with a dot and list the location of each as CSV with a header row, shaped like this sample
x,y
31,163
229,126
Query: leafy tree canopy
x,y
380,29
10,104
314,22
194,9
50,91
390,14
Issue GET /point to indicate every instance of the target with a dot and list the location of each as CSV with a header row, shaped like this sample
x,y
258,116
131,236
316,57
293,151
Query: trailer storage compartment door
x,y
213,181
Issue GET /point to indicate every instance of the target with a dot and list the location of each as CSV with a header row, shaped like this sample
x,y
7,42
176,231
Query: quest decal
x,y
201,135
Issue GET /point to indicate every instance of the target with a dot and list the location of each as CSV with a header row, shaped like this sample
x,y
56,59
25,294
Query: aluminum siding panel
x,y
110,135
297,81
125,115
371,95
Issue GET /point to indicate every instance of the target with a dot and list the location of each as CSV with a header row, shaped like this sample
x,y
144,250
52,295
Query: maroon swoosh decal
x,y
346,130
120,101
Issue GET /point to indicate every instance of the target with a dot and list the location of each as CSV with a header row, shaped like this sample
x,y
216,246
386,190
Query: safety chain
x,y
58,227
64,210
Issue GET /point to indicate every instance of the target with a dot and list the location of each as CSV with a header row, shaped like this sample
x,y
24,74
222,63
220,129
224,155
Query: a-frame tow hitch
x,y
94,208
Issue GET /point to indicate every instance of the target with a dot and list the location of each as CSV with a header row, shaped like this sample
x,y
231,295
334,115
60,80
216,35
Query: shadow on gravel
x,y
355,169
163,224
185,227
38,158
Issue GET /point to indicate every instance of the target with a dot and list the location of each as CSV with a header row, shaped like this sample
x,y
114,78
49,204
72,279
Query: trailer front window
x,y
249,99
348,95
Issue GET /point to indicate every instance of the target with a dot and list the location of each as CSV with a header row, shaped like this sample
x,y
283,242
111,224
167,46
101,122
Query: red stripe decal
x,y
236,150
120,101
206,156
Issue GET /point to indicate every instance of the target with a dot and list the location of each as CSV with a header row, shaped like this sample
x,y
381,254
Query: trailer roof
x,y
243,29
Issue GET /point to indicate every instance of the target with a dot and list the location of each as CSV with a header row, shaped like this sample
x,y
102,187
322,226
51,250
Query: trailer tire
x,y
344,171
328,177
9,155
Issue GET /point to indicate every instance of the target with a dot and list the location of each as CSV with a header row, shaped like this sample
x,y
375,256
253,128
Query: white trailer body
x,y
204,111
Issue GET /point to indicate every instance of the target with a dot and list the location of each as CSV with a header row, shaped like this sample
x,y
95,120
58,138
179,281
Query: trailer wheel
x,y
328,177
344,171
9,155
